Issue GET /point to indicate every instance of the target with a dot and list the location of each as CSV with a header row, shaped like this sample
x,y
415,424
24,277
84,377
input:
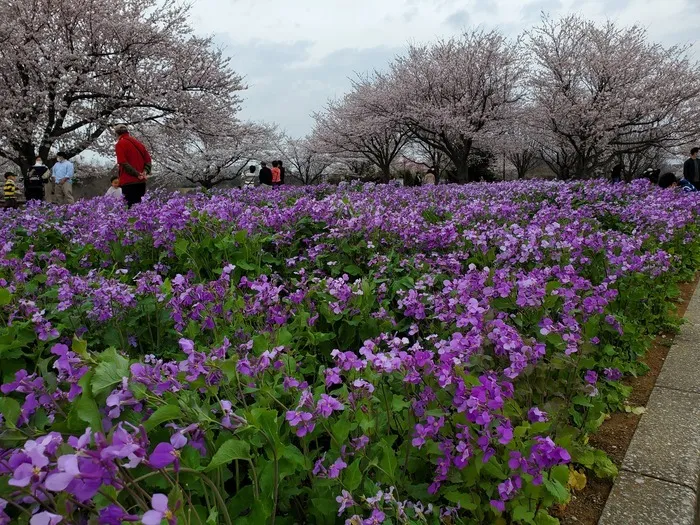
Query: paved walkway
x,y
660,475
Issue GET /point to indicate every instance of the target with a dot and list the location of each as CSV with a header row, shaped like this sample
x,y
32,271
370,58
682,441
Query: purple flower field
x,y
361,354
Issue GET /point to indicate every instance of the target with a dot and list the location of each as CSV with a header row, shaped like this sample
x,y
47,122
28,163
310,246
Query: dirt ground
x,y
616,433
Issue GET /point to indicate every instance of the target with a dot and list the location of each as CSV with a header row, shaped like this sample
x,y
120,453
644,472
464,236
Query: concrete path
x,y
660,475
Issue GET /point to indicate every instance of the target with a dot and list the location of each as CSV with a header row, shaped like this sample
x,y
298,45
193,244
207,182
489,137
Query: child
x,y
276,174
10,190
114,190
669,180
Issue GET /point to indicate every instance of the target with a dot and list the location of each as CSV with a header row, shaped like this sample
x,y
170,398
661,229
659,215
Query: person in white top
x,y
114,190
429,178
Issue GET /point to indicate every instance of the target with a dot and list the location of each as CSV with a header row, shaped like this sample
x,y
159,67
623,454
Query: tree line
x,y
575,95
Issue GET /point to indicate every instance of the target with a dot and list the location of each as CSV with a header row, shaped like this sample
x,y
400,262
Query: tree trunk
x,y
386,173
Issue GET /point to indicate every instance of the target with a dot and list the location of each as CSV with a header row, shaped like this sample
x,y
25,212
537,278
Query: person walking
x,y
691,168
265,175
35,181
134,165
61,180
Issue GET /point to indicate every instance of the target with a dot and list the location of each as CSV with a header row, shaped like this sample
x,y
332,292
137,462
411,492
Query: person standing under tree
x,y
61,180
265,175
134,165
283,171
37,176
616,175
691,168
276,173
429,179
10,190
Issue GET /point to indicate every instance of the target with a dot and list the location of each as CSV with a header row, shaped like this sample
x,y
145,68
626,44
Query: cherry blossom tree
x,y
455,94
305,162
602,90
519,146
71,68
425,155
351,126
207,159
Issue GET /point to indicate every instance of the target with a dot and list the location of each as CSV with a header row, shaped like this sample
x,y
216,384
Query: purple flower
x,y
376,518
114,515
505,432
125,446
345,500
303,420
168,453
535,415
230,420
327,404
67,471
45,518
498,505
160,512
4,518
336,468
591,377
360,442
612,374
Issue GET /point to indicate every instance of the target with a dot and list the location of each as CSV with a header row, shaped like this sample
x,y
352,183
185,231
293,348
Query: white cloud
x,y
298,54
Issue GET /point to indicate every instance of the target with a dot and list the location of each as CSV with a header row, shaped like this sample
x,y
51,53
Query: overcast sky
x,y
295,54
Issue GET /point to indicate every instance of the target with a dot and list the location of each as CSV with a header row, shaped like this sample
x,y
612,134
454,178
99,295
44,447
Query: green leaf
x,y
240,236
326,509
556,489
543,518
266,421
163,414
353,270
522,513
5,297
352,477
341,430
181,246
79,346
388,462
111,369
86,409
231,450
398,403
10,410
284,337
295,456
465,500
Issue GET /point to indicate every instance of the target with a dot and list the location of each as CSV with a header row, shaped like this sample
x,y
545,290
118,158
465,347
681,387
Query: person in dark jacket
x,y
616,175
669,180
34,181
691,168
652,175
265,176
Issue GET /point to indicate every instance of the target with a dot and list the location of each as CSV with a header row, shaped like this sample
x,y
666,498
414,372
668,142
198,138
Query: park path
x,y
660,475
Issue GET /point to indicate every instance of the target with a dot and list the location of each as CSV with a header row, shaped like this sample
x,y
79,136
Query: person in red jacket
x,y
134,165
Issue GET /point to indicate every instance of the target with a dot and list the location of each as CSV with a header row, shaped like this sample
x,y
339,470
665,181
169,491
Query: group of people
x,y
270,176
688,181
55,184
